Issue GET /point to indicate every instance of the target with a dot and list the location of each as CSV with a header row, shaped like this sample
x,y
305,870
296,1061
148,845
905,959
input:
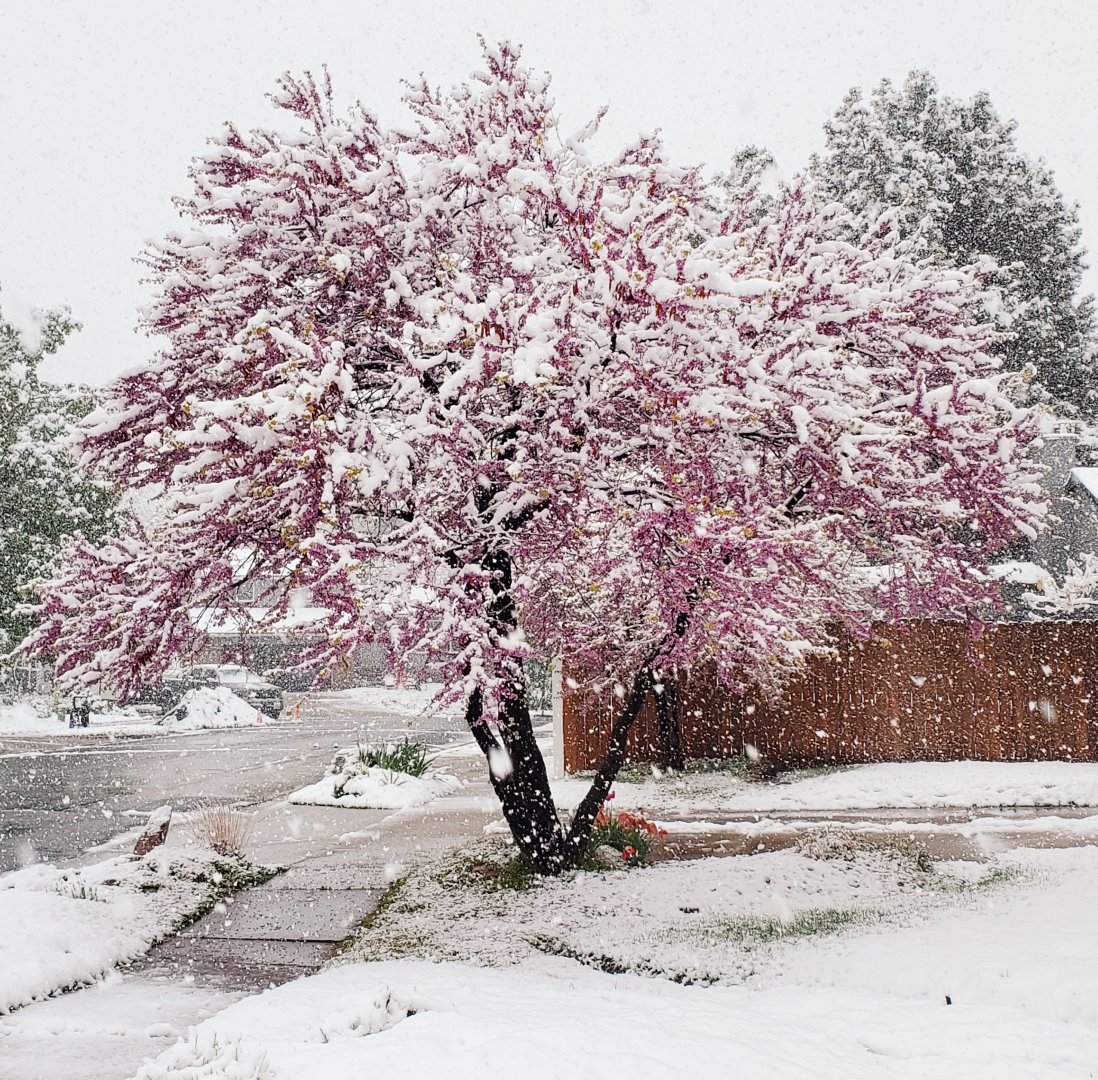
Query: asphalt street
x,y
61,796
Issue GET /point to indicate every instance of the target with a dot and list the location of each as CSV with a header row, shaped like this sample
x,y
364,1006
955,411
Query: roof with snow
x,y
1087,478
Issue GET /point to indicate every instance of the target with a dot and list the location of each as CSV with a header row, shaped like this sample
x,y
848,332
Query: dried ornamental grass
x,y
223,828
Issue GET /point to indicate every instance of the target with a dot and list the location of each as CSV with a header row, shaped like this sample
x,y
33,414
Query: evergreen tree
x,y
960,189
43,495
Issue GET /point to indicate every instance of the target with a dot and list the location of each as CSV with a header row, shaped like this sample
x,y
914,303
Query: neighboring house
x,y
243,636
1073,533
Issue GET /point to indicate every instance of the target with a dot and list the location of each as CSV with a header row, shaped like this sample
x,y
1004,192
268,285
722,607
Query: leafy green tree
x,y
959,188
43,495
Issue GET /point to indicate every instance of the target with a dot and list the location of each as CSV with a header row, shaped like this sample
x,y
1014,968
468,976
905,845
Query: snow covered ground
x,y
397,700
215,707
103,1032
64,927
1016,957
901,785
701,921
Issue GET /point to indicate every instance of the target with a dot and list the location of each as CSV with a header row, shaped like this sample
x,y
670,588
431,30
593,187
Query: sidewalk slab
x,y
287,915
227,964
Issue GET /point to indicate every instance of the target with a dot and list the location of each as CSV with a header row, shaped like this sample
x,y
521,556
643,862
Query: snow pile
x,y
203,707
106,1033
22,717
34,718
212,707
902,785
376,788
62,928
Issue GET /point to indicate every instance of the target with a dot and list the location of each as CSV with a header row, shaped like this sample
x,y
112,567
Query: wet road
x,y
60,796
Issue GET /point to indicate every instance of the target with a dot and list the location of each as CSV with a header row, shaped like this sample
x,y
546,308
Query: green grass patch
x,y
488,872
222,877
751,930
552,946
759,770
993,879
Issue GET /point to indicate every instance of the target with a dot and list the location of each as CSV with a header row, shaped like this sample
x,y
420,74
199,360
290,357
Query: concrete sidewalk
x,y
339,865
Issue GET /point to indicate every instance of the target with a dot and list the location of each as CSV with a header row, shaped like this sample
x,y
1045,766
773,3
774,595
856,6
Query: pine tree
x,y
43,496
959,188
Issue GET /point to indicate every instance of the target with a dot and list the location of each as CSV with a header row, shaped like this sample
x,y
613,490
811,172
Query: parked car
x,y
246,684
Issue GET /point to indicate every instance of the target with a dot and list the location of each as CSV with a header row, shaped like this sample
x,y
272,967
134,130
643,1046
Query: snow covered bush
x,y
489,399
407,756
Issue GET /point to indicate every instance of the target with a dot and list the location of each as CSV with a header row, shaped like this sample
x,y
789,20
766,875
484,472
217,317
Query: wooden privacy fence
x,y
922,690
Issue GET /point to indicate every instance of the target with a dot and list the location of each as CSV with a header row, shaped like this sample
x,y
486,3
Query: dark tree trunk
x,y
670,730
579,833
515,765
521,782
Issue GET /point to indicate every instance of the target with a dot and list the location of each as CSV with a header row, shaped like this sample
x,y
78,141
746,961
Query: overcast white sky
x,y
103,102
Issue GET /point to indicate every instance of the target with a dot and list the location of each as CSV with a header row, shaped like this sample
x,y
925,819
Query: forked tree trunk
x,y
515,765
521,781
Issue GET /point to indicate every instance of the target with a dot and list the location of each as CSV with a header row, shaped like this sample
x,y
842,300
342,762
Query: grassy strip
x,y
225,876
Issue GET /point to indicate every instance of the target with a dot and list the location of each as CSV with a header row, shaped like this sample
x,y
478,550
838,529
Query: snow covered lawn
x,y
705,920
398,700
1016,955
901,785
61,928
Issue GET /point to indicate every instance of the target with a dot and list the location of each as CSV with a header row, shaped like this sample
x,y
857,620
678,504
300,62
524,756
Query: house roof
x,y
1086,476
220,621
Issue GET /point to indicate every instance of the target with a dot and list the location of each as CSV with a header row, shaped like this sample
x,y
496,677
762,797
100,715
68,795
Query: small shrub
x,y
222,828
407,756
77,890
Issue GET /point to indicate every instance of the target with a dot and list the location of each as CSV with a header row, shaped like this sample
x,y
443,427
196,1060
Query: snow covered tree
x,y
956,183
43,496
482,396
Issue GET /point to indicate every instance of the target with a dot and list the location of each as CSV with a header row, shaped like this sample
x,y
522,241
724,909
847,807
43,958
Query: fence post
x,y
557,685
